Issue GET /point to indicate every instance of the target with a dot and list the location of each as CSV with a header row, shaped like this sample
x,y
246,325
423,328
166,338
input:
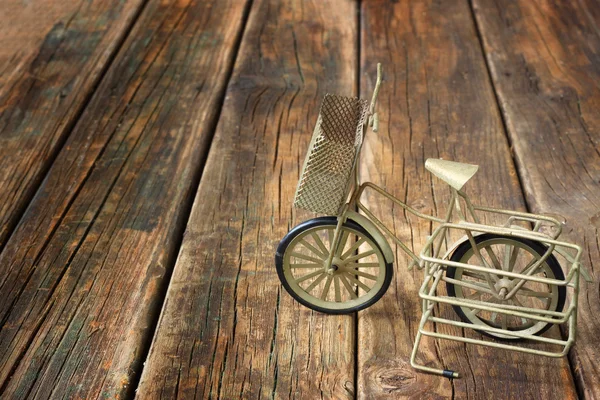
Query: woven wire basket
x,y
334,148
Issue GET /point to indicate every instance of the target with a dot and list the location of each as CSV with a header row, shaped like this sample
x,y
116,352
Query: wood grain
x,y
545,62
52,55
436,101
83,276
227,330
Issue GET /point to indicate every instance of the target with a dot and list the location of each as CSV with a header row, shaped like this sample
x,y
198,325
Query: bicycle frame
x,y
434,266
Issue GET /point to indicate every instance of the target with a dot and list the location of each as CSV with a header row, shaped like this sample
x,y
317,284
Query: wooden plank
x,y
83,276
437,102
52,55
226,329
544,59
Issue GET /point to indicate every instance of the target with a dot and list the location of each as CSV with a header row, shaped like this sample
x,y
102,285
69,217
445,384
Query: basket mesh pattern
x,y
326,176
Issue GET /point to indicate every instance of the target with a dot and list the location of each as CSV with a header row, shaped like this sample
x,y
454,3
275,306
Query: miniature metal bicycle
x,y
504,281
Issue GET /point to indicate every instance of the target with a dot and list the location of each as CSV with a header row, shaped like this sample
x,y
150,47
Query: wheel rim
x,y
357,273
513,256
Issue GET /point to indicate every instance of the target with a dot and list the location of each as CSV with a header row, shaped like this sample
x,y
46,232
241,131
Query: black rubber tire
x,y
538,247
327,221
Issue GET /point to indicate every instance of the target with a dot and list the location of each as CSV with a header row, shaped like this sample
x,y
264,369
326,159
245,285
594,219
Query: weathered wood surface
x,y
85,268
227,330
544,58
82,277
437,101
52,55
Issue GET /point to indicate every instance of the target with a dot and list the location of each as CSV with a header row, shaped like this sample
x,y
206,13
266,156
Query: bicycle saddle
x,y
453,173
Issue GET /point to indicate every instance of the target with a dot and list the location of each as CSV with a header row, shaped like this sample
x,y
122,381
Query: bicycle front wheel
x,y
357,278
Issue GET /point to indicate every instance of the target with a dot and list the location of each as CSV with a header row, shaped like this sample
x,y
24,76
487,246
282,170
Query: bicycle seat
x,y
453,173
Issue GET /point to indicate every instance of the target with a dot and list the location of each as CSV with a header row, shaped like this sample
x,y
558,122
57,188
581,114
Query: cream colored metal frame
x,y
435,266
538,228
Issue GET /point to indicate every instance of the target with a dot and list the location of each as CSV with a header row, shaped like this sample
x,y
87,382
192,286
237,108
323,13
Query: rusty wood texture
x,y
436,101
544,58
227,330
52,55
82,278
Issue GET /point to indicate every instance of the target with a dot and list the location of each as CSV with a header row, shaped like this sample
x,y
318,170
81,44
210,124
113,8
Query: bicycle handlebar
x,y
373,118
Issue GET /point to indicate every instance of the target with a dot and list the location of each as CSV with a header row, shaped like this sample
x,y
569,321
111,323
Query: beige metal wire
x,y
326,176
324,187
435,264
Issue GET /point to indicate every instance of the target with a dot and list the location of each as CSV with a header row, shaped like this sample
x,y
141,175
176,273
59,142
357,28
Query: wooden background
x,y
149,152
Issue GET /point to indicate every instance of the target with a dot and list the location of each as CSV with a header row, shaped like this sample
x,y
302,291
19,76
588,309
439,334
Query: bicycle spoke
x,y
476,295
504,321
473,285
486,264
315,282
326,288
353,248
364,275
533,293
330,233
357,282
526,271
472,274
513,259
348,287
506,257
313,249
293,266
305,257
366,265
336,285
308,276
516,302
319,243
361,255
493,257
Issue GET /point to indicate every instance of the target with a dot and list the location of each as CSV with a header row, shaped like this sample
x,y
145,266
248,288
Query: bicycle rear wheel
x,y
510,254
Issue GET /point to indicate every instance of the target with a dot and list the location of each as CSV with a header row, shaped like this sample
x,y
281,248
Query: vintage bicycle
x,y
504,281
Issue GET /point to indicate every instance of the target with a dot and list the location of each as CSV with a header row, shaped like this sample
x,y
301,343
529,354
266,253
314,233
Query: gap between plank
x,y
498,105
518,167
155,313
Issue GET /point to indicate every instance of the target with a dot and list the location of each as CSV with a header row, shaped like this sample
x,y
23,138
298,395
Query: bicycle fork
x,y
337,236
